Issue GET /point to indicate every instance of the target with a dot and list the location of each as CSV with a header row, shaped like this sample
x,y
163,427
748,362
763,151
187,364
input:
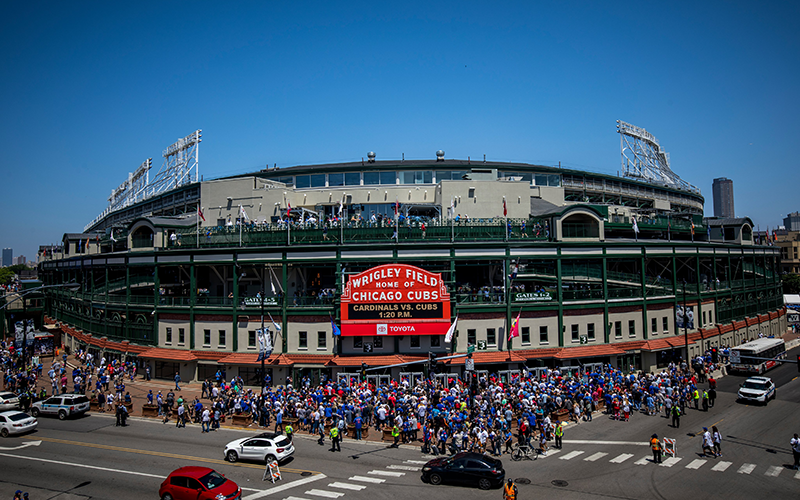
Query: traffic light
x,y
798,363
432,363
363,370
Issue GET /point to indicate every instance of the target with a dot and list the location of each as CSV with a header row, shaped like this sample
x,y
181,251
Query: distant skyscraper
x,y
8,257
723,197
792,222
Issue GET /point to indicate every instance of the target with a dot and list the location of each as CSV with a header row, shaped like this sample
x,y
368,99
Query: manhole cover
x,y
522,480
305,473
559,482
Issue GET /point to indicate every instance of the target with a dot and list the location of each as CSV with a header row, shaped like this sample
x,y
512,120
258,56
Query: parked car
x,y
465,468
758,389
266,447
9,401
65,405
15,422
198,483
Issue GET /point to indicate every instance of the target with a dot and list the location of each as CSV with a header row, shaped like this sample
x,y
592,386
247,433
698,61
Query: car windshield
x,y
17,417
212,480
757,386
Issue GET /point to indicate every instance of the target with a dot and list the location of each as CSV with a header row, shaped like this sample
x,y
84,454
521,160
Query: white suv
x,y
758,389
266,447
65,405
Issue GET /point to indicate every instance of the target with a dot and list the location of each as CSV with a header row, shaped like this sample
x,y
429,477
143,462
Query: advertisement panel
x,y
395,299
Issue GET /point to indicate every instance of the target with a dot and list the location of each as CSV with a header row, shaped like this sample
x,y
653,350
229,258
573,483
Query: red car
x,y
198,483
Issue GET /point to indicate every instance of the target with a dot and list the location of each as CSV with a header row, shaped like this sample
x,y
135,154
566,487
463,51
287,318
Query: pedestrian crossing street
x,y
338,489
695,464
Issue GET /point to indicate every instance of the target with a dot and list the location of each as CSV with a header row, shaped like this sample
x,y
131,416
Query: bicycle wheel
x,y
516,454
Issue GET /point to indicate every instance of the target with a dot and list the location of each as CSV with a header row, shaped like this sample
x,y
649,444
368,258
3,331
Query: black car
x,y
472,469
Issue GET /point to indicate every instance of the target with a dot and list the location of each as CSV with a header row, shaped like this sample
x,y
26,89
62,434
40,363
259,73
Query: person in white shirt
x,y
795,442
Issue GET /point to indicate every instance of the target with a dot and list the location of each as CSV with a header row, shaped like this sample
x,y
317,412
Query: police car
x,y
757,389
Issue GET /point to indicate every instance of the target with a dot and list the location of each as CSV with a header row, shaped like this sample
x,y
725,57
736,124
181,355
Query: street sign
x,y
470,349
469,365
367,347
584,339
735,356
481,345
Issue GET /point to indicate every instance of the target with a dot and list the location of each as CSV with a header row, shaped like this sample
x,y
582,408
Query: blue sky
x,y
92,89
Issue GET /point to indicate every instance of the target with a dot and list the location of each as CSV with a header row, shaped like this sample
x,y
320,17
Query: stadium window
x,y
575,333
526,335
491,336
377,343
435,341
618,329
322,338
251,338
472,337
372,178
704,318
302,181
207,338
388,177
302,340
335,179
181,336
168,340
358,343
352,179
415,341
665,324
317,180
590,331
221,338
631,328
654,326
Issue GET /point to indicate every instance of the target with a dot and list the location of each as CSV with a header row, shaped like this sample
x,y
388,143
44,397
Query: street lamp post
x,y
685,325
263,369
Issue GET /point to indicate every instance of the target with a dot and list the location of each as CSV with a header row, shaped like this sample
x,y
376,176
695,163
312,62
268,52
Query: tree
x,y
6,275
791,283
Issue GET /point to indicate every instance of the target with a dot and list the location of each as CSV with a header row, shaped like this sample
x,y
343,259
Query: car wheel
x,y
484,484
62,415
35,411
435,479
4,433
232,456
166,496
271,458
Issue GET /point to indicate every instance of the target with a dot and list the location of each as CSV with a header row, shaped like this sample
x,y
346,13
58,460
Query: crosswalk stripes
x,y
773,471
386,473
295,498
571,455
550,453
324,493
721,466
418,462
746,468
347,486
364,479
669,462
643,461
596,456
621,458
696,463
403,467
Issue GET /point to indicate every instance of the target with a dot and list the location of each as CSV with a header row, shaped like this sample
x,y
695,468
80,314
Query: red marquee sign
x,y
395,299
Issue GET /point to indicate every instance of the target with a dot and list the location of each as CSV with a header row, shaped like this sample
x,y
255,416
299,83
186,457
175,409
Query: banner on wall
x,y
395,299
688,322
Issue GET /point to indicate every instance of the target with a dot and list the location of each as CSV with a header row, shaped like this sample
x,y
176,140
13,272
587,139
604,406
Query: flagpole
x,y
452,220
505,218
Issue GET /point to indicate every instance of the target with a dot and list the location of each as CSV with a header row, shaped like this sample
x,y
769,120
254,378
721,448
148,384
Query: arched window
x,y
580,226
142,237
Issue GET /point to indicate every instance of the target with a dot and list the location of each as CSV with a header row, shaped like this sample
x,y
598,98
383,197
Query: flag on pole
x,y
514,331
335,329
635,225
112,236
200,213
396,206
692,228
243,214
288,208
341,207
505,210
450,331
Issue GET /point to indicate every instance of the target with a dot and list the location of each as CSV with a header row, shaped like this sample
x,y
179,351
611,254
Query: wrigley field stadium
x,y
354,268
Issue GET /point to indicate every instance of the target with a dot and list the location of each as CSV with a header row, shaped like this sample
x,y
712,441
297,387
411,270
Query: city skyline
x,y
539,84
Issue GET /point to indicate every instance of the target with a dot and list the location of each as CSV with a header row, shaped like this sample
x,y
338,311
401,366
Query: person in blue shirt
x,y
150,397
358,423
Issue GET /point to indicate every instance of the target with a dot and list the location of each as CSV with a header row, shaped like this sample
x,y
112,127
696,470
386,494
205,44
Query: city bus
x,y
741,357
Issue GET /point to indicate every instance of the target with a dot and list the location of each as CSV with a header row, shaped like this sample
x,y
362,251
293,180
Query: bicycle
x,y
523,451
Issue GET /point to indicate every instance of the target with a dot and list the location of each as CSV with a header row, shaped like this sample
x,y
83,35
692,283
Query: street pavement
x,y
90,457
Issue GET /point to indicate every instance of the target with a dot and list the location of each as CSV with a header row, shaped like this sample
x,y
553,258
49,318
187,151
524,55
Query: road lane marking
x,y
366,479
643,461
403,467
284,487
83,466
170,455
722,466
295,498
596,456
746,468
625,443
773,471
550,453
571,455
347,486
621,458
669,462
696,463
418,462
324,493
23,445
386,473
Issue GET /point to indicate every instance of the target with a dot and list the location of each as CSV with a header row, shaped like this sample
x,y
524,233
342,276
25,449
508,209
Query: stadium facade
x,y
583,268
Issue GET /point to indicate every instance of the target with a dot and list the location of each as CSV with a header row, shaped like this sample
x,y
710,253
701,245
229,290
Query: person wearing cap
x,y
510,490
655,445
18,495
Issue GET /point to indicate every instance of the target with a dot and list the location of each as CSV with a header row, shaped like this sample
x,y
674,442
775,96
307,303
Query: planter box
x,y
387,435
242,420
94,405
351,431
149,410
561,415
